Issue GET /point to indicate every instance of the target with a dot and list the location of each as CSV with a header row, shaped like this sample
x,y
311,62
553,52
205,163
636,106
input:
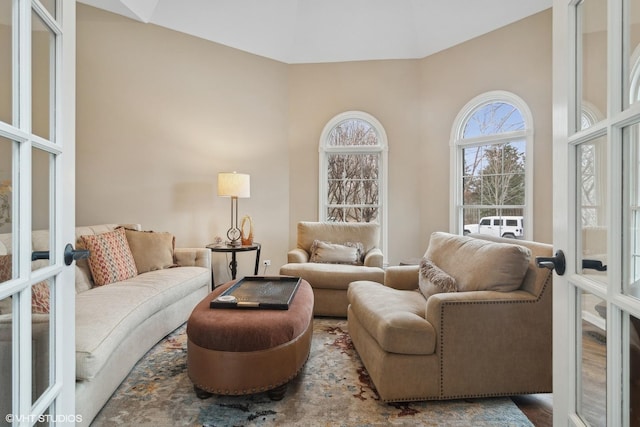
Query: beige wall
x,y
516,58
388,90
417,101
160,113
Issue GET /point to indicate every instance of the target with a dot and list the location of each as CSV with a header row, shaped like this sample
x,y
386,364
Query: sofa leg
x,y
202,394
278,392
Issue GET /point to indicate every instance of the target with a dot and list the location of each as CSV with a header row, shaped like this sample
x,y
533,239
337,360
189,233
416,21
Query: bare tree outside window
x,y
353,193
493,181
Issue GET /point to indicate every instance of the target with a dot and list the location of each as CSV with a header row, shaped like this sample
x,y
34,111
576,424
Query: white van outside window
x,y
506,226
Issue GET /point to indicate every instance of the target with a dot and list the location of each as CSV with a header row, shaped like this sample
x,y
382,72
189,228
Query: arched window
x,y
491,167
353,170
591,169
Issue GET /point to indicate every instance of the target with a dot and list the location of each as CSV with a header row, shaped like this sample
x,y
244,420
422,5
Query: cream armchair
x,y
458,343
328,265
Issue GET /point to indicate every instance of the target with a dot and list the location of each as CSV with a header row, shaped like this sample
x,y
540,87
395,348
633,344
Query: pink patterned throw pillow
x,y
110,257
40,298
39,291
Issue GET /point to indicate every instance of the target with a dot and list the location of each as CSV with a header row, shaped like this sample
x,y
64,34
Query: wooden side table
x,y
233,265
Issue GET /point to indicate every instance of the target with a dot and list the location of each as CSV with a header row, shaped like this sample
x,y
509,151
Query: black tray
x,y
261,292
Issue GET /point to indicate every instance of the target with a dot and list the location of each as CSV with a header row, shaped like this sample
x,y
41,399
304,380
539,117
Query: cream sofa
x,y
116,324
421,345
327,265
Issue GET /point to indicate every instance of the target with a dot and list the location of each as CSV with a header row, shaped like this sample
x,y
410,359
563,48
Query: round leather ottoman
x,y
246,351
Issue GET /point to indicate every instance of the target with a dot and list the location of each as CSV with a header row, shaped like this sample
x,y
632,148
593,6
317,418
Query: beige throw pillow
x,y
478,264
334,253
151,250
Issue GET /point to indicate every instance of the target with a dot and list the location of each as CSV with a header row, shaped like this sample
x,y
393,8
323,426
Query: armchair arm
x,y
193,257
404,277
297,255
374,258
493,342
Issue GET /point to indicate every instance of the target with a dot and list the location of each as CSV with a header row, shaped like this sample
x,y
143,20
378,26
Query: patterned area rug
x,y
333,389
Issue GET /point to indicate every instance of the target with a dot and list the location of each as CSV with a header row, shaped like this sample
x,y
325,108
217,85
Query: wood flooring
x,y
539,407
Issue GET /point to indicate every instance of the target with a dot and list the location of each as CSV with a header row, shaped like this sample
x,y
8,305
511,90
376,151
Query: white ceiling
x,y
312,31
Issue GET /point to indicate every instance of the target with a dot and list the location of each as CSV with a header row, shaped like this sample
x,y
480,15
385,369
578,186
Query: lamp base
x,y
234,243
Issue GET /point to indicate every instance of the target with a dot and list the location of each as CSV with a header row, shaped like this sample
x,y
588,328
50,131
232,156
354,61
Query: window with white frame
x,y
491,168
353,164
591,169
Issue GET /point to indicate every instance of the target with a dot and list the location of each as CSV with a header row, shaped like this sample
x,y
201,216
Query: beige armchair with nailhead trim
x,y
460,343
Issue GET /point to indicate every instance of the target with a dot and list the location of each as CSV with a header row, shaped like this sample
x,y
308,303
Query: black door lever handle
x,y
593,264
36,255
556,262
71,254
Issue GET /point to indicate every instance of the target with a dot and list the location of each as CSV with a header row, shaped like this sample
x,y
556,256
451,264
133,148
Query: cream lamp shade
x,y
232,184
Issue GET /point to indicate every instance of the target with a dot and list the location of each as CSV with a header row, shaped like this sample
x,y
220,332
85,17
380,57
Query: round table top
x,y
228,248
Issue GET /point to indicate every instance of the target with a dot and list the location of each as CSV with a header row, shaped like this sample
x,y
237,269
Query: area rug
x,y
333,389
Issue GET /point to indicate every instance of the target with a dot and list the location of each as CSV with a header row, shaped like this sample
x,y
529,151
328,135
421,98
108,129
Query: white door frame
x,y
57,402
566,81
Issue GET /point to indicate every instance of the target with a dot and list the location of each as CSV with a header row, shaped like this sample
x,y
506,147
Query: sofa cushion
x,y
335,253
432,280
110,258
105,315
394,318
84,281
477,264
151,250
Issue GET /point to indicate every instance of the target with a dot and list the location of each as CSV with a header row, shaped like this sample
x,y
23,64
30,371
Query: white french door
x,y
37,181
596,115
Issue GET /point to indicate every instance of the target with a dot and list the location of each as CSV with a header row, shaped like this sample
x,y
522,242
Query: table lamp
x,y
234,185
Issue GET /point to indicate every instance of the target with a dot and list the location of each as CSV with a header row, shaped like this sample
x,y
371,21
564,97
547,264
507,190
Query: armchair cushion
x,y
478,265
395,319
368,234
334,253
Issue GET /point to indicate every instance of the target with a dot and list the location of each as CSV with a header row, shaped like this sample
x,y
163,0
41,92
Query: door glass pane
x,y
633,79
631,210
592,63
42,57
41,205
592,360
6,62
6,345
634,370
6,193
40,334
50,5
592,203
